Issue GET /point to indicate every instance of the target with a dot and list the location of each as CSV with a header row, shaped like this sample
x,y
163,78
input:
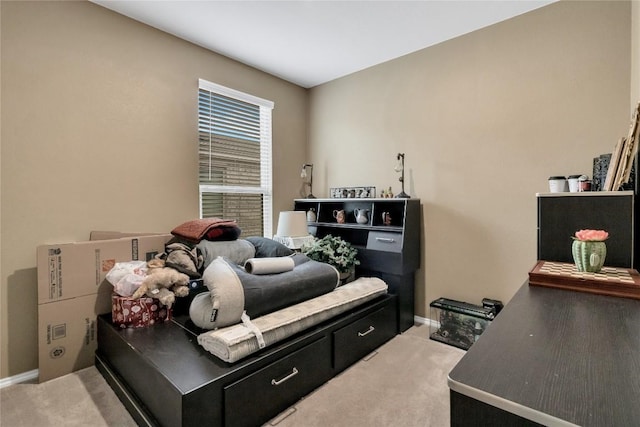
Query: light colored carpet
x,y
403,384
81,399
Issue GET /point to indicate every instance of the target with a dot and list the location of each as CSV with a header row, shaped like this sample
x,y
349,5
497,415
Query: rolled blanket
x,y
207,228
269,265
235,342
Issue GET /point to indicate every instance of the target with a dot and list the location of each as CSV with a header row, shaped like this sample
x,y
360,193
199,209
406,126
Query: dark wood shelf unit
x,y
390,252
560,215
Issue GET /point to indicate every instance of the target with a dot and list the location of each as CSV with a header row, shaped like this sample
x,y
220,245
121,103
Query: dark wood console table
x,y
555,358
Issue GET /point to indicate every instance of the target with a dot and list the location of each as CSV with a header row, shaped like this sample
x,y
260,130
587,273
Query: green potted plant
x,y
335,251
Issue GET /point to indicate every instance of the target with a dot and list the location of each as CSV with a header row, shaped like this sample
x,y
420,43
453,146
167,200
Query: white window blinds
x,y
234,151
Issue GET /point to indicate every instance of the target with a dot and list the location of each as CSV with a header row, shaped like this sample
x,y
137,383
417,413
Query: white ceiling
x,y
311,42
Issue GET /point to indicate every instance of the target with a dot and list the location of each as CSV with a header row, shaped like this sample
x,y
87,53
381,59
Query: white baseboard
x,y
425,321
421,320
20,378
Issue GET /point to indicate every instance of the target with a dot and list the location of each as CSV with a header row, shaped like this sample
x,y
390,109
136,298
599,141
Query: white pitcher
x,y
362,216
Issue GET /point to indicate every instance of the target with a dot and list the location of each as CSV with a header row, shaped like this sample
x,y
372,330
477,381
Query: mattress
x,y
238,341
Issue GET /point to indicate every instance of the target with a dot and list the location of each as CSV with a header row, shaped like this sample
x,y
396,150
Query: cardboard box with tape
x,y
70,270
73,291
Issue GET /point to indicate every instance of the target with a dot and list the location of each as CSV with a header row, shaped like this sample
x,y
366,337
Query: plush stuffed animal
x,y
163,283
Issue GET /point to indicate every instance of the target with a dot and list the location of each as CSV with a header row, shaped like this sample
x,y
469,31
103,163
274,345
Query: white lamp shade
x,y
292,224
292,229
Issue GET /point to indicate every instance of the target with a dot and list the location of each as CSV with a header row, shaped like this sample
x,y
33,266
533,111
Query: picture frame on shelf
x,y
352,192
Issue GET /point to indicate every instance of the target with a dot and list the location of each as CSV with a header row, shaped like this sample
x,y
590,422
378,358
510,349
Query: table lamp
x,y
292,229
400,168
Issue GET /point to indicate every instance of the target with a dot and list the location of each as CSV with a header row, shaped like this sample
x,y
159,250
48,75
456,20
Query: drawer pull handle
x,y
293,373
385,239
367,332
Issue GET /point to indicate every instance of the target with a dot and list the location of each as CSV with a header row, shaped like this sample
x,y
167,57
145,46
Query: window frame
x,y
266,154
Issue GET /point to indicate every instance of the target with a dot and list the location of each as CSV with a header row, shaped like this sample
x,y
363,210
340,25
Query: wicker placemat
x,y
620,282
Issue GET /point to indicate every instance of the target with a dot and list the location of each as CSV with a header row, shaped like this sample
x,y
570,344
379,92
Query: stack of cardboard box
x,y
73,291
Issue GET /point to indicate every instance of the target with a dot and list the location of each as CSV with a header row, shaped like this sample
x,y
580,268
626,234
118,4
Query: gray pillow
x,y
237,251
267,248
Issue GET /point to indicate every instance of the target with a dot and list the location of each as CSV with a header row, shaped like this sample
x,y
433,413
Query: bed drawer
x,y
264,394
384,241
361,337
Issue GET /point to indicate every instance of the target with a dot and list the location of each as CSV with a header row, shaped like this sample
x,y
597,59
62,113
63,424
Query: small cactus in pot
x,y
589,250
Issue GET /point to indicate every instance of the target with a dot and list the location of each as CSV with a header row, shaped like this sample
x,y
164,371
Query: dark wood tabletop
x,y
558,357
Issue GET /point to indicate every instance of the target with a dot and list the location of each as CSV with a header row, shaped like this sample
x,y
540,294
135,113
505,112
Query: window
x,y
234,152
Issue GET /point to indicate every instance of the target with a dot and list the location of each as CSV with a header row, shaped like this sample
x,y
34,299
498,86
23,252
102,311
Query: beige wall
x,y
484,120
99,117
98,132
